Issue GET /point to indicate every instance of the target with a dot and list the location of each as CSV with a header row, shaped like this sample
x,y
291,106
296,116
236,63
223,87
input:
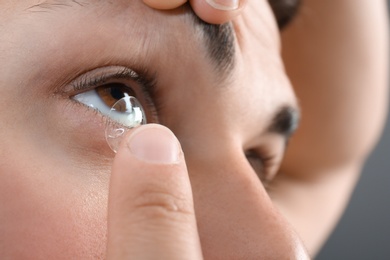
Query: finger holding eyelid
x,y
217,11
211,11
164,5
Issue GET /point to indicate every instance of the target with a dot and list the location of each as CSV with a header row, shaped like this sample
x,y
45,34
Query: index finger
x,y
150,212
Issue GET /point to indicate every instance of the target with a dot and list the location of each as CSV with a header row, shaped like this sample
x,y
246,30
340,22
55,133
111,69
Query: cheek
x,y
53,180
50,213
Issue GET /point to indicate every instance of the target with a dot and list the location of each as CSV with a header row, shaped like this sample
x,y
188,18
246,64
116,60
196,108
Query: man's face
x,y
55,162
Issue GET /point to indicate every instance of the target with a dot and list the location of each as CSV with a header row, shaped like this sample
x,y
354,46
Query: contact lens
x,y
124,115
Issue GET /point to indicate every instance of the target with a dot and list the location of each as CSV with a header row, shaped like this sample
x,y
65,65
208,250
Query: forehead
x,y
218,39
95,33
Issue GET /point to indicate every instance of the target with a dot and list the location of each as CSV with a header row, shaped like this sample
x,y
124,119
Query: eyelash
x,y
145,86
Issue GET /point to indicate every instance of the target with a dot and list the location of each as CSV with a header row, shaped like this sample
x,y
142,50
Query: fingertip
x,y
217,11
154,143
164,5
150,198
149,155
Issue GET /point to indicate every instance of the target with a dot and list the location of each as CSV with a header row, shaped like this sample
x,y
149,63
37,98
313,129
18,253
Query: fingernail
x,y
225,5
154,144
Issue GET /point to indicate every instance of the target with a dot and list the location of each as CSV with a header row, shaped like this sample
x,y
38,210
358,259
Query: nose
x,y
236,218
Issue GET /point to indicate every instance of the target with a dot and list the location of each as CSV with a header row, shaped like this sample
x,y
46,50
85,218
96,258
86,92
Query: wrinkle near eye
x,y
53,5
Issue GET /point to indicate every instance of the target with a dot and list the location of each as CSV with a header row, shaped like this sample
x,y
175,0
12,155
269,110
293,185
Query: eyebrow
x,y
220,38
285,121
219,42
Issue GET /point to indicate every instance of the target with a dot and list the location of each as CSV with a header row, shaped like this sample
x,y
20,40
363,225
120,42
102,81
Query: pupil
x,y
116,91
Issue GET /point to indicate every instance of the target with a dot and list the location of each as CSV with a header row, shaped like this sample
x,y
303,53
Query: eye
x,y
100,89
104,97
262,165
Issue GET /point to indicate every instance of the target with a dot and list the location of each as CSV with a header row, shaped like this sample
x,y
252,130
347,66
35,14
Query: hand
x,y
211,11
150,210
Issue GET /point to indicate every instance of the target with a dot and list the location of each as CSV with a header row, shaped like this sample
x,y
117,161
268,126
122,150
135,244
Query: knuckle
x,y
160,204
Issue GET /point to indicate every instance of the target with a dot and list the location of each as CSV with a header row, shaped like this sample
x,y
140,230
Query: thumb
x,y
150,209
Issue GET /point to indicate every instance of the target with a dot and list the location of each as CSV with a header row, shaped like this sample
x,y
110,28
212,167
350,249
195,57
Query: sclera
x,y
124,115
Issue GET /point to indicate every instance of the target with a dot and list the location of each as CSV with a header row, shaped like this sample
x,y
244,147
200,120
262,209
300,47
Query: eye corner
x,y
264,164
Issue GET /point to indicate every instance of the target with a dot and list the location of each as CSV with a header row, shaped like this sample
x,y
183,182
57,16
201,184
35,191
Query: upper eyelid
x,y
101,75
118,74
87,80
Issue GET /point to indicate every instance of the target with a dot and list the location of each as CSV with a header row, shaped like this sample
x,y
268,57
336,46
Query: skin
x,y
54,204
323,61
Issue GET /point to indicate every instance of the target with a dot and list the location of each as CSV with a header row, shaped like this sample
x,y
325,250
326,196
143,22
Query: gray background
x,y
364,230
